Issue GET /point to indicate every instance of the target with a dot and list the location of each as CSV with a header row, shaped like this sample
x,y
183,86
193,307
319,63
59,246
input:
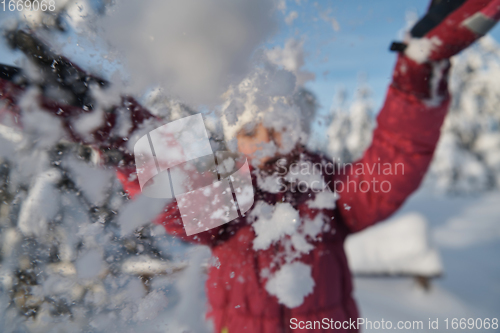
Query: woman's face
x,y
250,142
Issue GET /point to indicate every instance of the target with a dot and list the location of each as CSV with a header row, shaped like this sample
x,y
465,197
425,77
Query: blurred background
x,y
74,258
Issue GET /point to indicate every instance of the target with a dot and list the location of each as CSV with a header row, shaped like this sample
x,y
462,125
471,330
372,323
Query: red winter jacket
x,y
406,136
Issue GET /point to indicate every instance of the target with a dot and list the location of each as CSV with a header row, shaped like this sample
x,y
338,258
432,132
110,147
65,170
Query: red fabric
x,y
415,79
453,35
492,10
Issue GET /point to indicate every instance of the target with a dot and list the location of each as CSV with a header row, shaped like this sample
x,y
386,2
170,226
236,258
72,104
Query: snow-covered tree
x,y
351,126
66,264
468,155
76,254
59,14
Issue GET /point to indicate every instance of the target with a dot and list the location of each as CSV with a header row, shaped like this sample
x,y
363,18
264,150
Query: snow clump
x,y
291,284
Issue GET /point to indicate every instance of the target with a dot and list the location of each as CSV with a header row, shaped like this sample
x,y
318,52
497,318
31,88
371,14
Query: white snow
x,y
397,246
226,166
438,72
292,57
195,48
95,182
89,264
264,96
313,228
273,94
10,134
40,128
284,221
476,224
468,153
291,284
456,169
190,311
41,205
77,12
140,211
144,264
350,126
419,49
10,140
87,123
304,174
152,305
269,183
465,232
324,200
300,243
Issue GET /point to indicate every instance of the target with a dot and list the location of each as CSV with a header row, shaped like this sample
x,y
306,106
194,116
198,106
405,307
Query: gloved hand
x,y
448,27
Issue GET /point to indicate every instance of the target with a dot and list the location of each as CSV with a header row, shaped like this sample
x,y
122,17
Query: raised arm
x,y
408,126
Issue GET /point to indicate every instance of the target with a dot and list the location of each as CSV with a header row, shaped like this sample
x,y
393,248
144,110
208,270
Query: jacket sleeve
x,y
408,129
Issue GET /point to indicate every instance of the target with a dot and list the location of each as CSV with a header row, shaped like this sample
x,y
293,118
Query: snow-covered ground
x,y
466,232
